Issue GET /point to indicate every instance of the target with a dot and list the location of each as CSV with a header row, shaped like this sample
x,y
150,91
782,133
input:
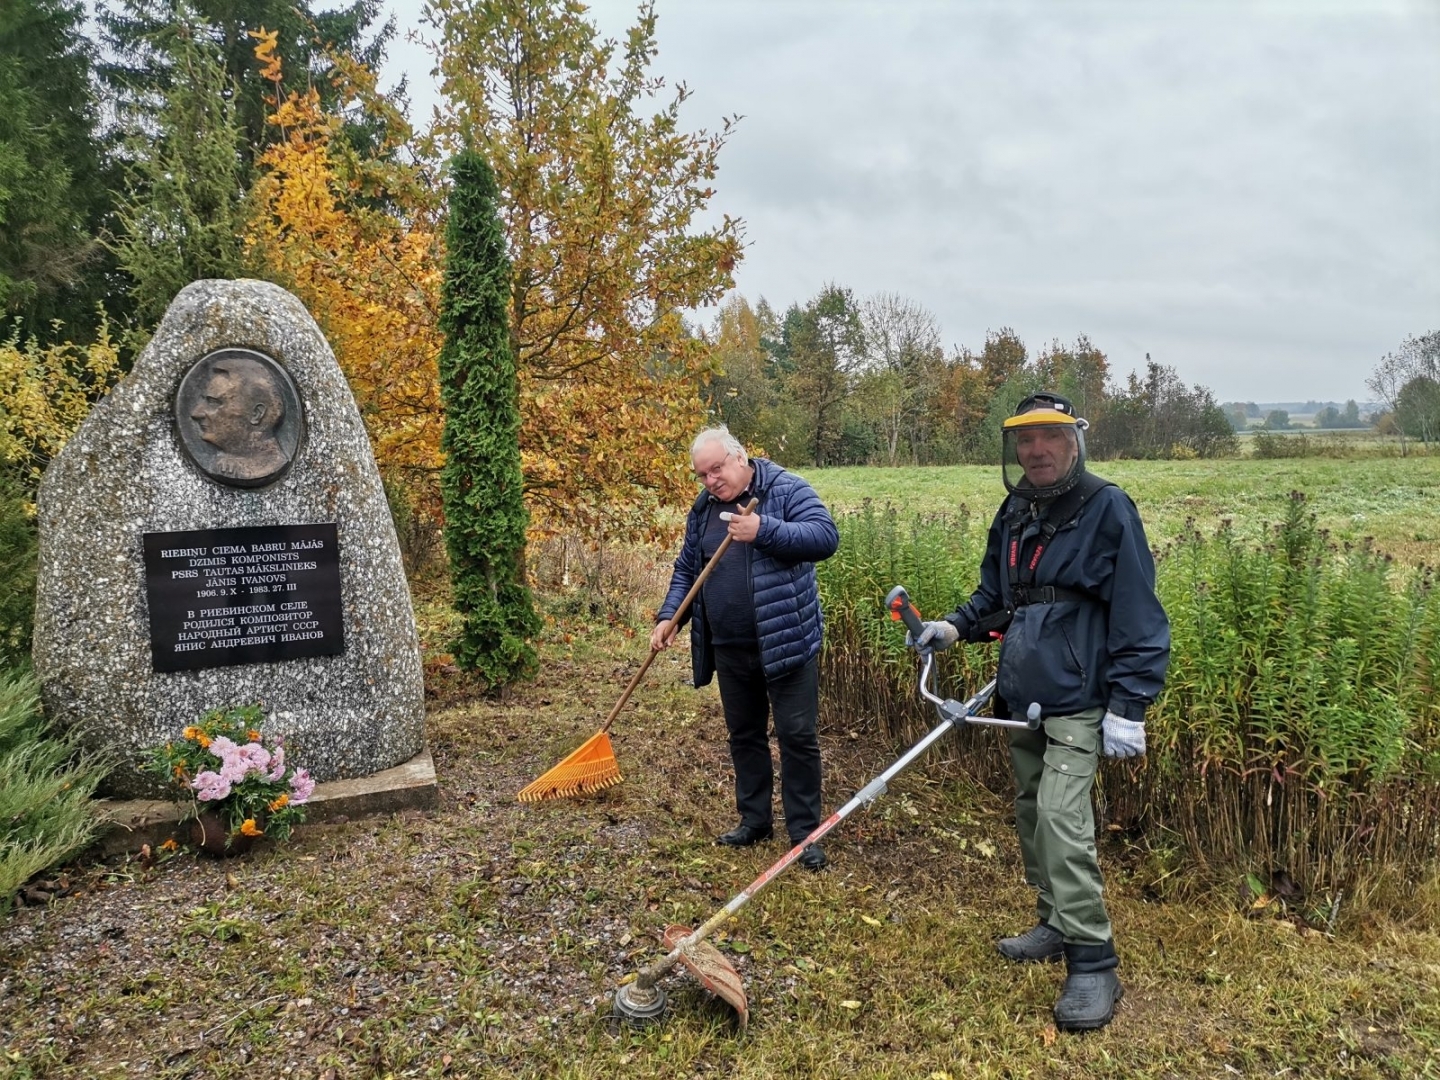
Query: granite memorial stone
x,y
216,533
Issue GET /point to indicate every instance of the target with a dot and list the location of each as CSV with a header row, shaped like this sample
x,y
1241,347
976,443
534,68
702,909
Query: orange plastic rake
x,y
593,767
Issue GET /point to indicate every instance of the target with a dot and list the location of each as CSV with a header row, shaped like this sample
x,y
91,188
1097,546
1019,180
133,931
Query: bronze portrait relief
x,y
239,417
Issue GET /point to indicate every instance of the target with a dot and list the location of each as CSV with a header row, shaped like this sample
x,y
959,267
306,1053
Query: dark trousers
x,y
749,701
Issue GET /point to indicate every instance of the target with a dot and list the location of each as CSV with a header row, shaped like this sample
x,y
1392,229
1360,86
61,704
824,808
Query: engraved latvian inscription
x,y
243,596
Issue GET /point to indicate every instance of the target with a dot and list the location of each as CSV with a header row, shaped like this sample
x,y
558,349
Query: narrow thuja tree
x,y
485,511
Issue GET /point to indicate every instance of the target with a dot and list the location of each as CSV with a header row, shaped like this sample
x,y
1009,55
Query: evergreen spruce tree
x,y
53,188
183,213
142,67
485,515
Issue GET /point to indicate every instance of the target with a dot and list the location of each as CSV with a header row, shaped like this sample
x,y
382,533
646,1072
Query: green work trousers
x,y
1054,772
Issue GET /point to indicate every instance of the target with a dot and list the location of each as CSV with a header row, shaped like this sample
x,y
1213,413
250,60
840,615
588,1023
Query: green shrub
x,y
482,482
19,546
1332,445
1265,445
46,814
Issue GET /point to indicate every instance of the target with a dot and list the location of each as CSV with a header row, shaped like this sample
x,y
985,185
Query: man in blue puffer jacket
x,y
756,625
1069,580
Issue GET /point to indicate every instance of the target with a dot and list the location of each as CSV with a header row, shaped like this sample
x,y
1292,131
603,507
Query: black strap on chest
x,y
1060,512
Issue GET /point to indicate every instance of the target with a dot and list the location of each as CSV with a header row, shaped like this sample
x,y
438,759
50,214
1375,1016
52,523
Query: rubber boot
x,y
1040,944
1087,1000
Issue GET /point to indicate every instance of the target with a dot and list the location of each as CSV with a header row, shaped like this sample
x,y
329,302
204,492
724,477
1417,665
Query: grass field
x,y
485,939
1395,500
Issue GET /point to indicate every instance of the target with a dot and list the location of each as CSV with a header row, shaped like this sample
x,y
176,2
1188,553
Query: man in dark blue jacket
x,y
756,625
1069,581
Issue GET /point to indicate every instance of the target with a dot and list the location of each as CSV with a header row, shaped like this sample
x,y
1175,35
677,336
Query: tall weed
x,y
1298,735
868,677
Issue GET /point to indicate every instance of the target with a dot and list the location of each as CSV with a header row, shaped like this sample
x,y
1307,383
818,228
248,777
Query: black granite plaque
x,y
243,596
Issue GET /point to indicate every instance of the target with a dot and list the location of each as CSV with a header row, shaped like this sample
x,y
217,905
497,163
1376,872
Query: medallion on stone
x,y
239,418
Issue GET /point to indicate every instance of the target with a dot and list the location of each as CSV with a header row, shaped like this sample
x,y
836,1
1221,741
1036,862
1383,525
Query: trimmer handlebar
x,y
902,610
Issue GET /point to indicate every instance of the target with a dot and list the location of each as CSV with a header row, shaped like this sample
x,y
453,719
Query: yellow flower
x,y
253,735
203,740
191,732
249,828
180,772
170,845
280,802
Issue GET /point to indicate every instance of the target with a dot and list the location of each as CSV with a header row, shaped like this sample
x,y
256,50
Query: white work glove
x,y
936,637
1123,738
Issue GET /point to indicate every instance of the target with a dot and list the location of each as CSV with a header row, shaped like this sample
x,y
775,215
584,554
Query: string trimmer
x,y
641,1001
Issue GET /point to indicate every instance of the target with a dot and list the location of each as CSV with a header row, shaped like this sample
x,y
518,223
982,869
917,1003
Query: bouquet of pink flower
x,y
225,766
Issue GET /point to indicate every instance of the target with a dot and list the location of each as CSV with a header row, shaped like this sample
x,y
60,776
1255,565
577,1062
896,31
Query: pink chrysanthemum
x,y
301,786
210,786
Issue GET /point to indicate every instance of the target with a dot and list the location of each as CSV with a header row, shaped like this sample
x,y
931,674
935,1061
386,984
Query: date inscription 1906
x,y
243,596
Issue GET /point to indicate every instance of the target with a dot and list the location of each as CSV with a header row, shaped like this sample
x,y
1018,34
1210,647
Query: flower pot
x,y
208,832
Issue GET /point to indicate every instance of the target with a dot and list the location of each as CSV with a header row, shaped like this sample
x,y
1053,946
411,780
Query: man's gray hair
x,y
721,435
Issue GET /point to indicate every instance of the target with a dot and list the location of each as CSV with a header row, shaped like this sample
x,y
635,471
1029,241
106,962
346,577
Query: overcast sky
x,y
1249,192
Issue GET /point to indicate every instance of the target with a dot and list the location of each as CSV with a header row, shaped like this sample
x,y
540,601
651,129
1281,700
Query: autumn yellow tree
x,y
45,393
600,191
359,240
743,389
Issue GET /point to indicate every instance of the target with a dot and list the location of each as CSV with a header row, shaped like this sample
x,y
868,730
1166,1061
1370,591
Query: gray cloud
x,y
1248,191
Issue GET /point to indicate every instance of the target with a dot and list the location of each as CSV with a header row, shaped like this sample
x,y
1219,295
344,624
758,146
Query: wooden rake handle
x,y
679,613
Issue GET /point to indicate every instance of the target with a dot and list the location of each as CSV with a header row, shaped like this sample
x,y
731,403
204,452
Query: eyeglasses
x,y
713,472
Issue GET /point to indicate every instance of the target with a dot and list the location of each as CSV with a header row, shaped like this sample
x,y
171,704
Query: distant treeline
x,y
1277,418
842,381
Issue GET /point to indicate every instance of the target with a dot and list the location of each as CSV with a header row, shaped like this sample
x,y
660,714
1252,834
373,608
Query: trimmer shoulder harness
x,y
1052,517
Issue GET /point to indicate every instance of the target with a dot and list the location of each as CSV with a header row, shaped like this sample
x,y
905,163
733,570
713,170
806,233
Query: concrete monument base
x,y
133,823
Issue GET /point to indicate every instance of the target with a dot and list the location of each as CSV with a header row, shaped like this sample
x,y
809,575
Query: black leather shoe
x,y
813,857
1042,943
1087,1000
744,835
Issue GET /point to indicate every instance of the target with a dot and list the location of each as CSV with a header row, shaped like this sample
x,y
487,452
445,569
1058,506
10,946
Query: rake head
x,y
591,768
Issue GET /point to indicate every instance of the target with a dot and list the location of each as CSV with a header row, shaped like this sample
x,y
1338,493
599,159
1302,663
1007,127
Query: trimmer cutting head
x,y
637,1006
640,1005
